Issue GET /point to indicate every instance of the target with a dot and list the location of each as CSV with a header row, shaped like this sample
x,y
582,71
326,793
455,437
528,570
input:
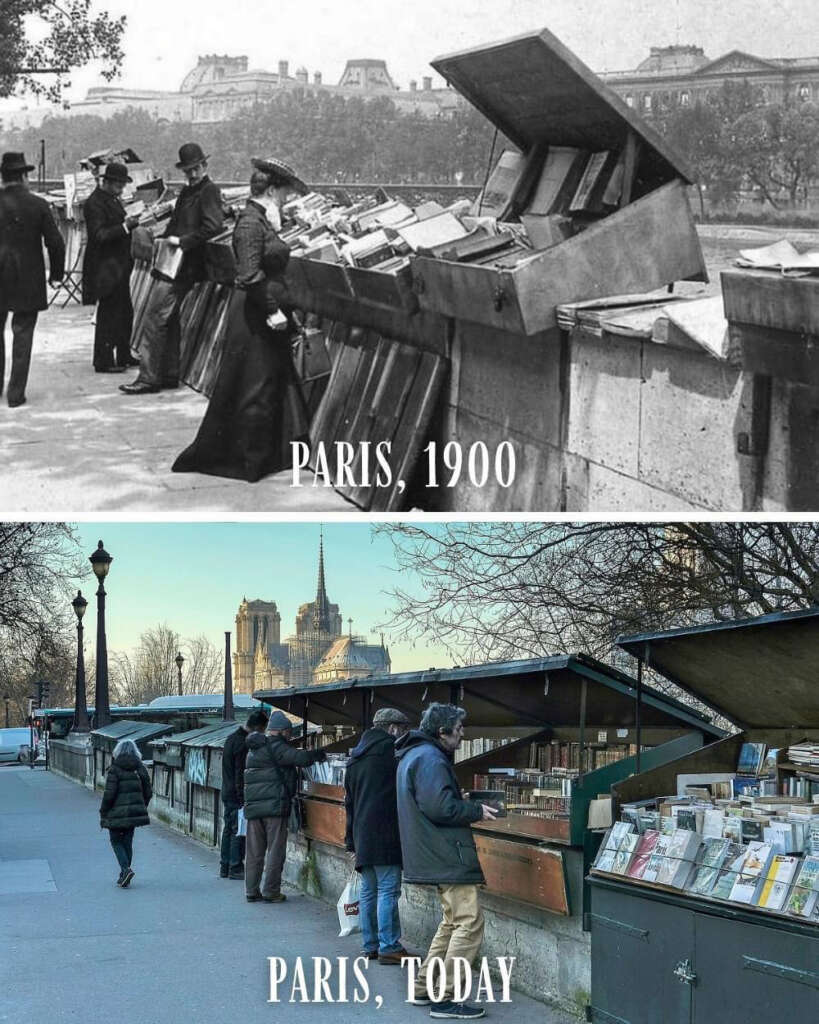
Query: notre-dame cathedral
x,y
318,652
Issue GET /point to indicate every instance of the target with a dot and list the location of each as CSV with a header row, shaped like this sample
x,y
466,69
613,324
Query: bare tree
x,y
150,671
489,591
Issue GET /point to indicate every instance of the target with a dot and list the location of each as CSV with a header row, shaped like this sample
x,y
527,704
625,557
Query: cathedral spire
x,y
321,610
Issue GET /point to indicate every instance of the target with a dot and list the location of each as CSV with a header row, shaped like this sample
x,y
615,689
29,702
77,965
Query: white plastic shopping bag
x,y
348,906
241,824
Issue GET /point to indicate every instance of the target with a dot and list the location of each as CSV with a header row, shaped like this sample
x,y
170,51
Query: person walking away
x,y
271,780
372,833
124,804
234,755
438,847
106,277
197,217
26,223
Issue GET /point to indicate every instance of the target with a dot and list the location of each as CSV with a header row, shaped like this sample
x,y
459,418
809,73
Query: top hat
x,y
117,173
280,173
14,162
190,154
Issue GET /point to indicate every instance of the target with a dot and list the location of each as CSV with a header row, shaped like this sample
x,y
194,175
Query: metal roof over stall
x,y
761,672
139,732
560,690
178,738
535,90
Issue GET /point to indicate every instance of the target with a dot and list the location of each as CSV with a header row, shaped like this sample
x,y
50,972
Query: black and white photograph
x,y
515,257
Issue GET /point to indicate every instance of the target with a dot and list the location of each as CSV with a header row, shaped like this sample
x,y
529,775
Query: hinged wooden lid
x,y
536,90
761,672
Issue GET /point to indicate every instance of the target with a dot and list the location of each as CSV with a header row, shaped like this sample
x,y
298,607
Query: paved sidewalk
x,y
79,448
180,945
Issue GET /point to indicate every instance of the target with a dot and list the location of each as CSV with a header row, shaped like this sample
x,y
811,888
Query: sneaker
x,y
396,957
278,897
419,1001
236,873
126,878
253,897
121,876
456,1011
223,871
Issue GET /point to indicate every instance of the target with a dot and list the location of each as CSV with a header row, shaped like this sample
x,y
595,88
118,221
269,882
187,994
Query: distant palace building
x,y
220,86
679,76
318,651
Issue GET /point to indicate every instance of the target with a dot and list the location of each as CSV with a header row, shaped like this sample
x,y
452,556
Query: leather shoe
x,y
278,897
137,388
253,897
393,958
370,954
131,362
110,369
170,384
13,405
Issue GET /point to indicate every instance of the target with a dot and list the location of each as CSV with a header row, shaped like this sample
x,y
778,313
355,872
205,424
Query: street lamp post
x,y
81,722
101,563
180,661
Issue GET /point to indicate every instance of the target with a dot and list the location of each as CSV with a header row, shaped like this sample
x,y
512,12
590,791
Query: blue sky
x,y
192,576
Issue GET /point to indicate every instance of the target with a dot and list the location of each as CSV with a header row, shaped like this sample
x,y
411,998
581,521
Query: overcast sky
x,y
163,38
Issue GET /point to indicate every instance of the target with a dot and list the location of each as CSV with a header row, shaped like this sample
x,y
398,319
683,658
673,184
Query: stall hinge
x,y
684,972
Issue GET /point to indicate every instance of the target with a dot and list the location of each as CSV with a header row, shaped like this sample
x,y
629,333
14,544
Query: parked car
x,y
15,745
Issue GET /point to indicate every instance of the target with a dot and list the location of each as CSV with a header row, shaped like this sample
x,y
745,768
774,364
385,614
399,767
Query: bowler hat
x,y
13,163
278,722
190,154
118,173
280,173
390,716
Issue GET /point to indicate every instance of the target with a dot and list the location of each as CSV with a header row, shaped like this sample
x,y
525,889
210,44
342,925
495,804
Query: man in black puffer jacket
x,y
271,781
438,847
124,804
372,833
234,756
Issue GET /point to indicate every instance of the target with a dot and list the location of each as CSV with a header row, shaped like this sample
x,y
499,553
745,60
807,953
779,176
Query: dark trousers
x,y
22,329
233,846
112,335
159,350
266,848
122,842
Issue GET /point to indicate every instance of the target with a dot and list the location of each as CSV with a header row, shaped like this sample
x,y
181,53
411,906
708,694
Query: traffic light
x,y
43,687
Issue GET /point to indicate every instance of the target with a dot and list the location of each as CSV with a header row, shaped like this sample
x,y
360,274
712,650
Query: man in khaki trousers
x,y
438,849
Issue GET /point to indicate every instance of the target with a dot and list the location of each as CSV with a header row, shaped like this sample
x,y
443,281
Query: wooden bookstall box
x,y
702,959
539,95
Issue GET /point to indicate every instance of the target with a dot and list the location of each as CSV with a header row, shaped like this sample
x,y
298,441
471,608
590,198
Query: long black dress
x,y
257,407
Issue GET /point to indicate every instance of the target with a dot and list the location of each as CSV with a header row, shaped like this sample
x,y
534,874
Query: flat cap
x,y
390,716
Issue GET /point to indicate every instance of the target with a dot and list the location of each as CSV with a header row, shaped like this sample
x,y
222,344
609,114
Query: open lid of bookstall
x,y
212,737
538,692
107,736
535,90
759,673
176,739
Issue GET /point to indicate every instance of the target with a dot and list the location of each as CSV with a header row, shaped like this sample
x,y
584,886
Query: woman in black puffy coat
x,y
124,804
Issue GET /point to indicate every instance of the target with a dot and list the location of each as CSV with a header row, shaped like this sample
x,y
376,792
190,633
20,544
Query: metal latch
x,y
499,298
684,972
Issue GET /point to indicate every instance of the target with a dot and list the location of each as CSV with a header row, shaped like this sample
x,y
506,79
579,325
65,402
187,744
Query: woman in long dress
x,y
257,408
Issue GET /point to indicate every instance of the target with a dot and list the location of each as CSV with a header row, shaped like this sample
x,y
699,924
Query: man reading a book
x,y
197,217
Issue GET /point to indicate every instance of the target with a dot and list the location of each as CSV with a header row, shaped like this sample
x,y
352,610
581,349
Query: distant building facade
x,y
220,86
680,76
316,652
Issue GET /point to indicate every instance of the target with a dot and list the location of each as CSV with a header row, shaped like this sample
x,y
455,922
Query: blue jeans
x,y
378,908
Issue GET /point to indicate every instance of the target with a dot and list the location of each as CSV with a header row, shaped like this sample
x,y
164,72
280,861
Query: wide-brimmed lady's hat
x,y
12,163
117,173
190,154
280,173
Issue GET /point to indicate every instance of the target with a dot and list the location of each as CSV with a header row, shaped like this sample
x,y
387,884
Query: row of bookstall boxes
x,y
590,202
743,825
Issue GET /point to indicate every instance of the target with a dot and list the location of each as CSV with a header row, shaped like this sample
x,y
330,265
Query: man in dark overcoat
x,y
107,270
234,756
197,217
372,833
25,223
